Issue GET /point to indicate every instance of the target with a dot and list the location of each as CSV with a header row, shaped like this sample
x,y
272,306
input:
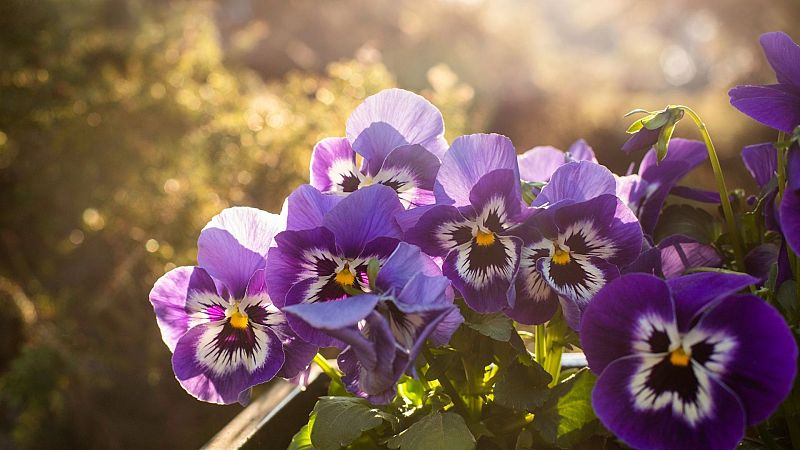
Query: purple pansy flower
x,y
574,246
790,204
225,334
761,160
646,191
774,105
320,264
399,135
479,205
386,327
685,363
539,163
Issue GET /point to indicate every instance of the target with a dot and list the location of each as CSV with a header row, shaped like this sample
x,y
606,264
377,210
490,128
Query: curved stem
x,y
727,210
332,373
458,402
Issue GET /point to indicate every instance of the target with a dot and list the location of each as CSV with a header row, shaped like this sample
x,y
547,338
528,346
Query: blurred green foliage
x,y
122,132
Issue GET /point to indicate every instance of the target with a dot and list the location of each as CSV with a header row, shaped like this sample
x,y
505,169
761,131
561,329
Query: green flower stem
x,y
554,363
332,373
517,424
541,346
458,402
721,187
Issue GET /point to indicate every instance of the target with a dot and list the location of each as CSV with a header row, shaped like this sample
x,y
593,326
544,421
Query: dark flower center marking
x,y
560,256
350,182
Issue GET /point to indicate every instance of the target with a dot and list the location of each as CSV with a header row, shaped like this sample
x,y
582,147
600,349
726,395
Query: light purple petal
x,y
581,151
336,314
298,353
495,200
403,264
680,253
363,216
444,330
641,140
169,298
783,55
217,370
606,329
577,181
306,207
763,361
468,159
411,171
761,161
295,250
391,118
234,245
439,230
333,166
688,151
662,428
539,163
773,105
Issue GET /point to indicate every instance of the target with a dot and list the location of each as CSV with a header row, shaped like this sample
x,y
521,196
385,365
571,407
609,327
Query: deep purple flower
x,y
319,264
774,105
790,204
400,136
385,328
761,161
574,246
479,205
646,191
685,363
539,163
680,253
225,334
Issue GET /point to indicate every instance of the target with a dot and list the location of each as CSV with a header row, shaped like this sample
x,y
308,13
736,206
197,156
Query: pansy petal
x,y
234,244
298,353
300,254
602,227
333,315
411,171
782,54
403,264
760,260
485,274
760,362
666,426
439,230
580,150
790,204
641,140
441,334
306,207
215,362
688,151
300,294
468,159
698,195
680,253
391,118
761,161
539,163
494,198
577,181
695,291
773,105
535,301
363,216
333,166
607,328
170,296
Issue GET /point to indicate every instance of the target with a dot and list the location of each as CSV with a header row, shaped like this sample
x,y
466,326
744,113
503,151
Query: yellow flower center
x,y
560,256
484,239
679,357
345,277
238,319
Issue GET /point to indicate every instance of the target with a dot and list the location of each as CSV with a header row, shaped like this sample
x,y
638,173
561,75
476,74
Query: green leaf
x,y
373,266
688,221
524,441
657,121
663,139
340,420
635,126
302,439
787,298
522,387
496,326
442,431
568,419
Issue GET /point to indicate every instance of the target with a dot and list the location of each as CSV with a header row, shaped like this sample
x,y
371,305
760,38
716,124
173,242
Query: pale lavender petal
x,y
581,151
337,314
403,264
333,166
577,181
234,245
169,297
680,253
298,353
496,201
391,118
468,159
363,216
539,163
688,151
411,171
306,207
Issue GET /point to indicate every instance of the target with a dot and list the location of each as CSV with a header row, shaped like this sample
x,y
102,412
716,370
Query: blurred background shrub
x,y
126,125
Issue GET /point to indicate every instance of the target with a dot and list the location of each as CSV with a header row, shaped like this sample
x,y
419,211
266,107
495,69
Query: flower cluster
x,y
400,238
